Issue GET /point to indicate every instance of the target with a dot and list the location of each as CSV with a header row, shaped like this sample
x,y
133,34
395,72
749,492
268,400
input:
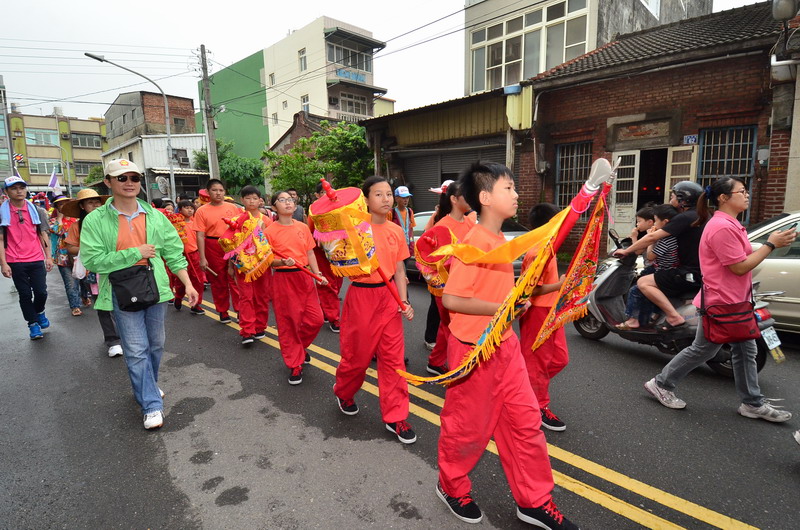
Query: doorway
x,y
652,175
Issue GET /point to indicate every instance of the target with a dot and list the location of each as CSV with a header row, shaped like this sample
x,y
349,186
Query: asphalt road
x,y
243,449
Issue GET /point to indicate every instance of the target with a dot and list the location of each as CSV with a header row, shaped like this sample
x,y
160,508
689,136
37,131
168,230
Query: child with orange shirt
x,y
186,209
209,225
552,356
371,322
451,214
495,399
298,315
254,295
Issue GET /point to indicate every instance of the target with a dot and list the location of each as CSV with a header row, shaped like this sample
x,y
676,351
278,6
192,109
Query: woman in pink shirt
x,y
726,262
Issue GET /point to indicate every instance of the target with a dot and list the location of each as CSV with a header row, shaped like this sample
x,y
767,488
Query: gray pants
x,y
743,359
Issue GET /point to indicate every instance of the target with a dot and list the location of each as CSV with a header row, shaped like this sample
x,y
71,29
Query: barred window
x,y
726,152
573,163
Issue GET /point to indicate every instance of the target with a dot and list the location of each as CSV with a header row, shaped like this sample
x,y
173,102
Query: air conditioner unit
x,y
21,163
65,136
104,138
183,160
333,101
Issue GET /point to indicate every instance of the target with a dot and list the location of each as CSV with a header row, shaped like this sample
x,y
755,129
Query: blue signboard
x,y
349,74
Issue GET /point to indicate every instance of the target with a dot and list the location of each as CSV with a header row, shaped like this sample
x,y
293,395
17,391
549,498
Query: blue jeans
x,y
743,359
142,335
639,306
71,286
30,279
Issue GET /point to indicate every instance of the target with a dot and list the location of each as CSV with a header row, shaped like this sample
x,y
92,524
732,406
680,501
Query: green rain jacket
x,y
99,249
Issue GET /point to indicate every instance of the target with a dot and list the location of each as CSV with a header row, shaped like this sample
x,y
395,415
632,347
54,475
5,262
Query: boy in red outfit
x,y
298,315
328,293
209,225
186,209
254,295
495,399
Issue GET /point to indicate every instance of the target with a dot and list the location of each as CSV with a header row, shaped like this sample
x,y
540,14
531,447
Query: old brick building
x,y
140,113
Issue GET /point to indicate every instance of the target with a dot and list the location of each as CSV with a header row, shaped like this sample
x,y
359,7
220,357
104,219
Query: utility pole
x,y
213,163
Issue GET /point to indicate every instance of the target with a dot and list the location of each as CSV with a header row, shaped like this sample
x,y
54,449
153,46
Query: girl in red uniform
x,y
452,214
297,315
371,322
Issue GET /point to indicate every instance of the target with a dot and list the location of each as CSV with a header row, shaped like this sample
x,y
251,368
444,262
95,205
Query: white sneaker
x,y
665,397
115,351
765,412
430,345
797,436
161,392
154,420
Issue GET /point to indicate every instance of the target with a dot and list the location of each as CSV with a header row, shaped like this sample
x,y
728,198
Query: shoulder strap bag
x,y
726,323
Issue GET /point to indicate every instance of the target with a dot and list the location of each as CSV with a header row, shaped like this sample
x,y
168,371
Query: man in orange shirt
x,y
495,399
186,209
209,225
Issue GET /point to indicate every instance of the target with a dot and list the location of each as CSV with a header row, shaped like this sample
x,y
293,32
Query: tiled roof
x,y
708,33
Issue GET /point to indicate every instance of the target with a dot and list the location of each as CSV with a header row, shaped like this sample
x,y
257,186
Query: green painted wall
x,y
238,87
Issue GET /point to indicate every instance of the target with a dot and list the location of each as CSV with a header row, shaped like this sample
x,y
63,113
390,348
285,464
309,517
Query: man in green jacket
x,y
127,232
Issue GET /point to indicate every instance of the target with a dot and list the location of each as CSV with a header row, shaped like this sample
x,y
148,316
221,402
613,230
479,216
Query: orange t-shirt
x,y
484,281
191,237
460,229
390,246
132,234
550,275
291,241
73,235
208,219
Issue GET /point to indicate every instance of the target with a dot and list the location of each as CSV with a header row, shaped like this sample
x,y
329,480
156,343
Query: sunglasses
x,y
124,178
21,219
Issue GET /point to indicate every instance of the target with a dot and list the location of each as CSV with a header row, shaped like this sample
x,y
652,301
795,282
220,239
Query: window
x,y
349,58
304,105
41,137
271,79
353,103
86,140
654,6
5,160
726,152
179,122
130,156
44,166
83,168
790,252
573,163
524,45
3,127
274,118
285,104
301,60
181,156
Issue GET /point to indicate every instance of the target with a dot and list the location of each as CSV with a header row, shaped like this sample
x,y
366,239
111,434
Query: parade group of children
x,y
500,399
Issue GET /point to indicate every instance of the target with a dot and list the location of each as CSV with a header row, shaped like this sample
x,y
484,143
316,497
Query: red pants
x,y
297,314
222,286
438,356
548,359
194,272
371,324
328,294
253,305
494,400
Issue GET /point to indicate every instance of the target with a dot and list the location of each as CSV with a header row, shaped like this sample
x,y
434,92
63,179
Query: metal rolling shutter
x,y
422,173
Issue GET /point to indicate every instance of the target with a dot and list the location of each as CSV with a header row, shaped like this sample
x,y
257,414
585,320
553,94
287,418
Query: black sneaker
x,y
403,431
248,340
296,377
462,507
308,358
546,516
347,406
178,303
551,421
197,310
436,370
224,318
334,326
260,335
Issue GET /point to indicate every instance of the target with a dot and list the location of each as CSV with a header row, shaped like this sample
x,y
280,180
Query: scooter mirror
x,y
613,233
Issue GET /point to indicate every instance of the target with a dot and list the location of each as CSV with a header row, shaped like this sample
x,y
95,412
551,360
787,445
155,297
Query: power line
x,y
113,51
83,59
93,44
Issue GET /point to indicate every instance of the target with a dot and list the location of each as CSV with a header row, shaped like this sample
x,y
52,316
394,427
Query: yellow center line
x,y
606,500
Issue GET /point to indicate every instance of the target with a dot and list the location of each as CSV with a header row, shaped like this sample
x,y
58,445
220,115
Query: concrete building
x,y
6,150
149,153
507,41
69,145
141,113
324,69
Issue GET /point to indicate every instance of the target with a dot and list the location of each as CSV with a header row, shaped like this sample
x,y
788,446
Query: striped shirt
x,y
666,251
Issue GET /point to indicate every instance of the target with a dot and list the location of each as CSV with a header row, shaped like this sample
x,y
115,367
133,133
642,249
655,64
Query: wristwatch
x,y
771,245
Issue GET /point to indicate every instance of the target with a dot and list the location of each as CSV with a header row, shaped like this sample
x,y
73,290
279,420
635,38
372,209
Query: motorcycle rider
x,y
687,227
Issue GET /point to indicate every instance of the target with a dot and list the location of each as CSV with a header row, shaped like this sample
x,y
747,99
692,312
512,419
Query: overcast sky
x,y
42,61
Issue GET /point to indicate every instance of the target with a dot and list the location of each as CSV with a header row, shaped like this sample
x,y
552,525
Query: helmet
x,y
687,193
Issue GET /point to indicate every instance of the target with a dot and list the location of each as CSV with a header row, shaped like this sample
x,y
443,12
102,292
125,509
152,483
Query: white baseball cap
x,y
402,191
121,166
15,179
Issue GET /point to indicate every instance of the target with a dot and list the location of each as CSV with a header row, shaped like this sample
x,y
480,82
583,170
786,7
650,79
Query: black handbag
x,y
134,287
